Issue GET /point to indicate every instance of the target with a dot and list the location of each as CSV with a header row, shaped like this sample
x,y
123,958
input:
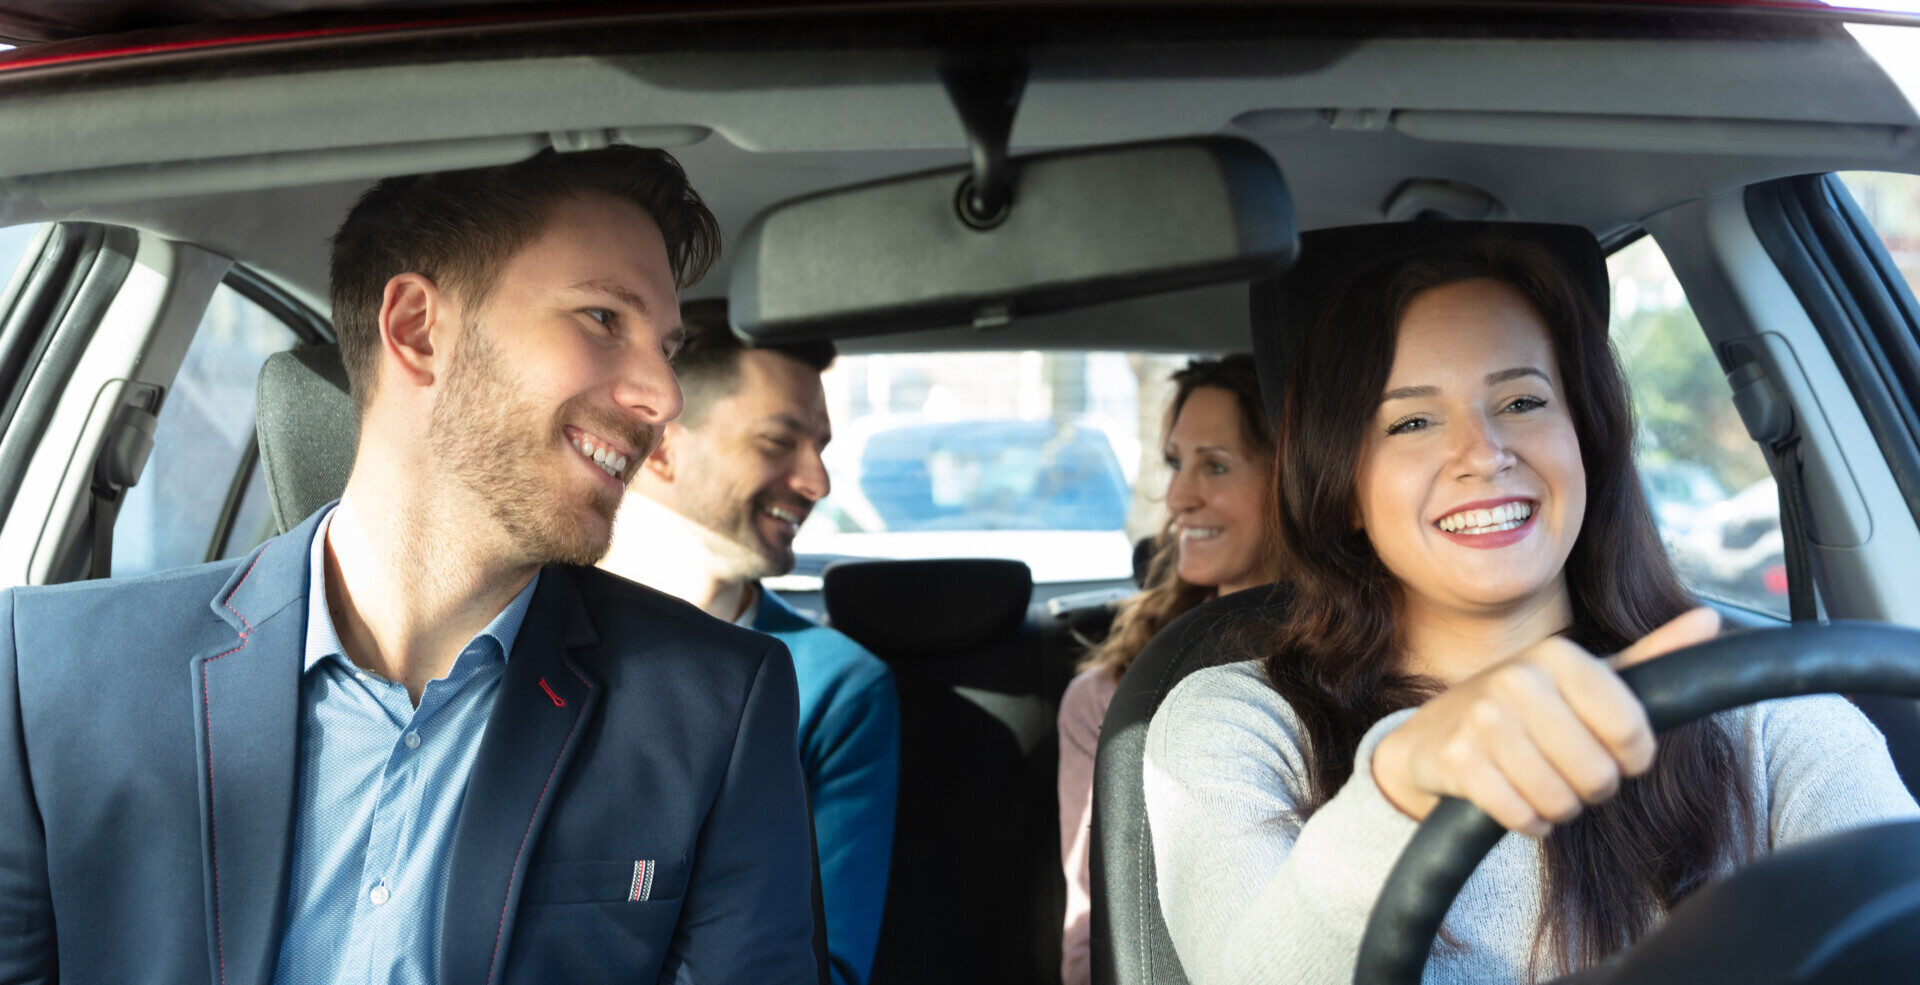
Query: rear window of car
x,y
1051,458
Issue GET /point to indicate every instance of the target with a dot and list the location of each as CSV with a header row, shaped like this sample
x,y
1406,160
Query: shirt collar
x,y
323,641
752,611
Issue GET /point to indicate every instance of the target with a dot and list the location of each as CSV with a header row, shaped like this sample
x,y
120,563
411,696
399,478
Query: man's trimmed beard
x,y
500,448
734,534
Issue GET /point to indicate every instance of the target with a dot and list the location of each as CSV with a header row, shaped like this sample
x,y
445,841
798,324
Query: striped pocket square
x,y
642,886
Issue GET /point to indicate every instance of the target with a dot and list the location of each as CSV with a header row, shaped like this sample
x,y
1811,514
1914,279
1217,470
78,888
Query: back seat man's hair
x,y
458,227
708,363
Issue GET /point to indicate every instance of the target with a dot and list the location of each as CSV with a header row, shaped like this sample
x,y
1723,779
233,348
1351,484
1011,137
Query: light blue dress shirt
x,y
380,788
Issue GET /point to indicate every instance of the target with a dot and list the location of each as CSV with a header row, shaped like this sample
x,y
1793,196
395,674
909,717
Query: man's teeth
x,y
1199,533
780,514
611,463
1504,517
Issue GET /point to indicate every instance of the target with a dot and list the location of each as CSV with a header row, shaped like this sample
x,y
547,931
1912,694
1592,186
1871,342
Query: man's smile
x,y
601,451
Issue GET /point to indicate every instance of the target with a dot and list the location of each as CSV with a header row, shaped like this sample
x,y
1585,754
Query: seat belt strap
x,y
1793,529
1770,422
122,458
106,506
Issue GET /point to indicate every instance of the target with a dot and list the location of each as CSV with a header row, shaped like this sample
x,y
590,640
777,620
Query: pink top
x,y
1082,708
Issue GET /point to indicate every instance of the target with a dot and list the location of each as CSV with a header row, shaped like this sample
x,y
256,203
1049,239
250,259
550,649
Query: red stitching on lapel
x,y
494,959
206,707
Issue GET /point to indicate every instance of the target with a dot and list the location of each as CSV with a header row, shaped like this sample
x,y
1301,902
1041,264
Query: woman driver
x,y
1464,529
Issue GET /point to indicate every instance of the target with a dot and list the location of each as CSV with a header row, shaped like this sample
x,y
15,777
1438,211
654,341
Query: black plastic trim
x,y
1894,318
44,295
310,326
1619,239
1800,223
92,284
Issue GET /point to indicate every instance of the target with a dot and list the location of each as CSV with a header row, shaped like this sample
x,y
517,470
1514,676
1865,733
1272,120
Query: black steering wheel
x,y
1735,670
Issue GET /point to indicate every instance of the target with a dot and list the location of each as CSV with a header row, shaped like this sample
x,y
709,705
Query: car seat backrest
x,y
1129,935
1130,943
975,892
927,608
307,431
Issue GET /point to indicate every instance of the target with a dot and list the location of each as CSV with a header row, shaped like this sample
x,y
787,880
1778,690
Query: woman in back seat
x,y
1464,530
1219,450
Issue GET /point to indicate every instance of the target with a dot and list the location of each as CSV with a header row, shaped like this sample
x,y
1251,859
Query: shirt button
x,y
412,740
379,895
361,675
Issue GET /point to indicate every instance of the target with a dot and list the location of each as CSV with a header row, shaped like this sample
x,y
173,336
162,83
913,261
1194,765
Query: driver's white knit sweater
x,y
1250,896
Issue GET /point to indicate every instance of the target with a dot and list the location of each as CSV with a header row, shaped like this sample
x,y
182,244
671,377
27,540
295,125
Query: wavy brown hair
x,y
1608,874
1166,595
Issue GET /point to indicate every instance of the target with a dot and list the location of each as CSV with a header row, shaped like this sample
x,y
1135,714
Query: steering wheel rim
x,y
1726,672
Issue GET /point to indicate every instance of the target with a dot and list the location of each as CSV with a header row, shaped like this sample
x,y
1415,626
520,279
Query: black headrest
x,y
1284,305
307,431
902,608
1129,936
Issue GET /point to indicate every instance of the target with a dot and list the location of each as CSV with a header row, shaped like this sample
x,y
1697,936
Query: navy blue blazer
x,y
148,730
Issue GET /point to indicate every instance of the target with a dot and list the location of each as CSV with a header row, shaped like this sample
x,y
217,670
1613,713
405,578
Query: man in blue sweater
x,y
715,509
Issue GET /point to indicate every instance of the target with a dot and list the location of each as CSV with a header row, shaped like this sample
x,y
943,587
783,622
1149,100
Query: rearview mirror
x,y
1084,227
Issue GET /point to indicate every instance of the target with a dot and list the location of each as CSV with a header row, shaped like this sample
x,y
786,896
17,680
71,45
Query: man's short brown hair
x,y
457,228
708,363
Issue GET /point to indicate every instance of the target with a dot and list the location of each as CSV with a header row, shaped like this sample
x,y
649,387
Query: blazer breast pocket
x,y
642,880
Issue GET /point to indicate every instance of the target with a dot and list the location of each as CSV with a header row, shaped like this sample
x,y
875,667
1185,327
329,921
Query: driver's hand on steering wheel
x,y
1534,739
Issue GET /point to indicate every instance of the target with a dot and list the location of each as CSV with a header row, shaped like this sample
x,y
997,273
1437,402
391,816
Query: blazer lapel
x,y
248,691
545,702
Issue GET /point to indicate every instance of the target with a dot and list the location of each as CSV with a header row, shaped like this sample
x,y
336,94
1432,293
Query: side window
x,y
1891,203
1715,501
203,465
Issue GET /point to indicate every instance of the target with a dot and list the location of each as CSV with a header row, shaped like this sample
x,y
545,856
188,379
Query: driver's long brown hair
x,y
1611,872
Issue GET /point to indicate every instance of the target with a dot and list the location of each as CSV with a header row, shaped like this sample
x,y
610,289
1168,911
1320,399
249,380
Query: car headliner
x,y
257,152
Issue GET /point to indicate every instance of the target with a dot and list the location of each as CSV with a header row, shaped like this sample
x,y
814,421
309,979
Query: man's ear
x,y
413,313
660,461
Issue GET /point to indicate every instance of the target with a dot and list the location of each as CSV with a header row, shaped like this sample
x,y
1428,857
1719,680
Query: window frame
x,y
1737,612
309,328
1836,266
76,276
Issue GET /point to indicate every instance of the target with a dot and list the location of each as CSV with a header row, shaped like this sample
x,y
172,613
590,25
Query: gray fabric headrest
x,y
307,429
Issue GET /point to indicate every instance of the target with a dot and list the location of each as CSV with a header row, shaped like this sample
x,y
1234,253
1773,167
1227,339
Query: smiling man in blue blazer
x,y
418,738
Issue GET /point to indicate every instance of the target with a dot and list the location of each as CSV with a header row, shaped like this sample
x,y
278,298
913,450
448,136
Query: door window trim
x,y
309,328
77,277
1811,228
